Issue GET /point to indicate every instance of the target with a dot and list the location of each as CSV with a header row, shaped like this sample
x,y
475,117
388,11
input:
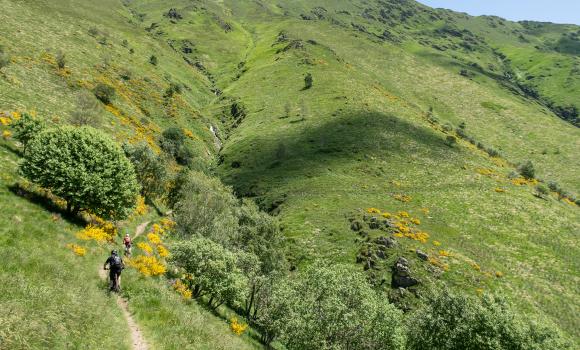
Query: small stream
x,y
217,141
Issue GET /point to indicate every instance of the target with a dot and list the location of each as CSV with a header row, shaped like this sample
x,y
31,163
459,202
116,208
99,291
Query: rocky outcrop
x,y
401,277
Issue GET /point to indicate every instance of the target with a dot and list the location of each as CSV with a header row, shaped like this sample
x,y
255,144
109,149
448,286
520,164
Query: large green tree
x,y
214,269
330,307
457,321
85,167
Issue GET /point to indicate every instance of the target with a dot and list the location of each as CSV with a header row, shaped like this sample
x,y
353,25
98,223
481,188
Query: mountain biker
x,y
116,265
127,242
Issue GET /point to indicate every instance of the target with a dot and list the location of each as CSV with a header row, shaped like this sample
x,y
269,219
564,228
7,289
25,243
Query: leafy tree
x,y
206,207
214,269
173,143
26,128
87,110
451,322
150,169
105,93
308,81
84,167
330,307
527,170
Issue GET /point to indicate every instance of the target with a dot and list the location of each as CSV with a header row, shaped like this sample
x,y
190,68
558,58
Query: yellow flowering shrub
x,y
444,253
145,247
373,211
436,262
157,229
403,214
167,224
416,221
520,181
386,215
162,251
94,233
425,210
237,327
436,243
5,121
154,238
498,274
141,207
77,249
182,289
6,134
499,190
147,265
402,198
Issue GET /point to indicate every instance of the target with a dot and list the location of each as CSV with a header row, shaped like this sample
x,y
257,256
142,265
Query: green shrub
x,y
450,140
492,152
308,81
87,111
26,128
173,142
450,322
330,307
60,59
105,93
527,170
214,269
554,186
153,60
207,208
542,190
84,167
150,169
447,127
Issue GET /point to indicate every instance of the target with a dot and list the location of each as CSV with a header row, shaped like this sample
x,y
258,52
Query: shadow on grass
x,y
12,149
46,203
353,137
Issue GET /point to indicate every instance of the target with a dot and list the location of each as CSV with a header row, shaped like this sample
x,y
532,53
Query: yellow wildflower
x,y
162,251
167,223
498,274
402,198
416,221
425,210
6,134
237,327
154,238
147,265
436,243
386,215
499,190
444,253
403,214
373,211
93,233
182,289
77,249
145,247
5,121
141,207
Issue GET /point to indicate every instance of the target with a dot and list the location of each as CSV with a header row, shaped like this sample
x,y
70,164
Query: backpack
x,y
116,263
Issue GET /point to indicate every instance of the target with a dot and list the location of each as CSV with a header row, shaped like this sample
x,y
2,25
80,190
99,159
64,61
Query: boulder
x,y
422,255
356,225
401,274
388,242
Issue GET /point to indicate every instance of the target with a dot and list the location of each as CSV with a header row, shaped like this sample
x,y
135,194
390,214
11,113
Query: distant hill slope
x,y
406,106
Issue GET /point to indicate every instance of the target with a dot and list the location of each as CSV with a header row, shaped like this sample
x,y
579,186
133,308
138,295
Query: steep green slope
x,y
393,82
361,135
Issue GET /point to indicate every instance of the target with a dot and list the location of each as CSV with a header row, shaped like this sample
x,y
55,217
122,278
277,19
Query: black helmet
x,y
114,252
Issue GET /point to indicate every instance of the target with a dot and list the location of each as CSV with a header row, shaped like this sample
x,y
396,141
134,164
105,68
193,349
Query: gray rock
x,y
422,255
401,274
356,225
388,242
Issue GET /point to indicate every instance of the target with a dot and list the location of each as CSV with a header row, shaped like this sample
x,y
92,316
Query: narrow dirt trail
x,y
137,340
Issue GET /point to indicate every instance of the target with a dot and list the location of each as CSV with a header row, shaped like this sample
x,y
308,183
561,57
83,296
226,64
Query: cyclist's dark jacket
x,y
114,270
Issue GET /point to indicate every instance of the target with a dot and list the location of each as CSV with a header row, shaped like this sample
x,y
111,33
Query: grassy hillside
x,y
407,105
